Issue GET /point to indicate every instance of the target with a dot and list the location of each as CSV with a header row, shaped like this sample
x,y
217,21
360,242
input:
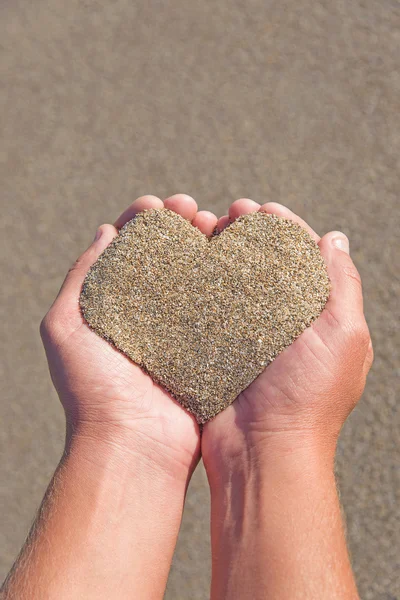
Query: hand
x,y
104,394
311,387
276,527
108,524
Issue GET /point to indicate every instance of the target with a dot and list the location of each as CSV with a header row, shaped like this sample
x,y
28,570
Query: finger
x,y
142,203
71,288
205,221
243,206
346,299
182,204
222,223
273,208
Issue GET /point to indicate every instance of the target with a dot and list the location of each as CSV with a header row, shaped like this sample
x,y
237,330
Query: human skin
x,y
108,524
276,524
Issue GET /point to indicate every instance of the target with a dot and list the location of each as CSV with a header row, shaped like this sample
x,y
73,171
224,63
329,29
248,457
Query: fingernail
x,y
341,242
98,234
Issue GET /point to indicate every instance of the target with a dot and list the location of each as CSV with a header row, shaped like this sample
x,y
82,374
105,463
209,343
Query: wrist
x,y
275,508
109,516
115,450
256,459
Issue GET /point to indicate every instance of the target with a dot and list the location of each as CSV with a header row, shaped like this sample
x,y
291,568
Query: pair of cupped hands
x,y
300,401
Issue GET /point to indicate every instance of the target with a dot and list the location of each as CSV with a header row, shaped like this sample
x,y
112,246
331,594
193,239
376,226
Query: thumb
x,y
71,288
64,316
346,300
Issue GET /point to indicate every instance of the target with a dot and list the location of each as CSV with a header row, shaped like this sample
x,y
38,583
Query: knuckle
x,y
77,265
358,332
43,327
352,273
47,325
58,324
364,336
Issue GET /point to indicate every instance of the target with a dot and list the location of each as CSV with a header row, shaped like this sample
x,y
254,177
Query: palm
x,y
303,379
295,380
95,381
121,393
282,390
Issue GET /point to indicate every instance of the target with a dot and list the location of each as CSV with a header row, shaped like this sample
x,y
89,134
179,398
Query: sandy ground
x,y
296,102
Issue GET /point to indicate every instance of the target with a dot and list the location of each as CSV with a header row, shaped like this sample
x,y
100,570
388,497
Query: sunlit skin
x,y
110,519
276,521
100,387
315,383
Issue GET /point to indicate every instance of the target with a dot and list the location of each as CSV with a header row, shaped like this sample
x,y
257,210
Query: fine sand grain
x,y
204,317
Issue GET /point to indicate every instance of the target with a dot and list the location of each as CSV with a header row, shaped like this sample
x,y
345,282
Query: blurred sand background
x,y
295,102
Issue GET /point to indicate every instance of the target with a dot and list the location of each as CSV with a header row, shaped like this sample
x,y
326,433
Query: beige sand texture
x,y
294,102
205,316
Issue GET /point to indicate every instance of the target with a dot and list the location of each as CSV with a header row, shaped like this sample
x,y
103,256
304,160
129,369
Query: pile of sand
x,y
204,317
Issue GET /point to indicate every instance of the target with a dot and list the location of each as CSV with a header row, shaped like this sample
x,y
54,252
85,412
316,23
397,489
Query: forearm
x,y
277,530
107,528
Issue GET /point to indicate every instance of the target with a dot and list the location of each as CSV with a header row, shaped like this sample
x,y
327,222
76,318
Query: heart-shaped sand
x,y
204,317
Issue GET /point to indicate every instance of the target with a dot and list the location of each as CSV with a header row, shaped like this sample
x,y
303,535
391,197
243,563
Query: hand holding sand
x,y
277,529
109,521
101,390
111,515
308,391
